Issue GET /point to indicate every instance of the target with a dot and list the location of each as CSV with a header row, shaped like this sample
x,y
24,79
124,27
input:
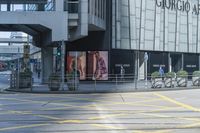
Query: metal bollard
x,y
31,84
95,85
116,82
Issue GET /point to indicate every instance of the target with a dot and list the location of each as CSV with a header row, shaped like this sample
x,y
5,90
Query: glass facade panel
x,y
73,6
156,26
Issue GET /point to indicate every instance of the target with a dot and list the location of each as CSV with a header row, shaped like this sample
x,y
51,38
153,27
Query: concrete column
x,y
170,62
47,63
59,5
118,23
82,29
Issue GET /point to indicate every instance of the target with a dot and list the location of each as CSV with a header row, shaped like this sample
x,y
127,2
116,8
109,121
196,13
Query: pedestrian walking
x,y
122,72
161,71
38,72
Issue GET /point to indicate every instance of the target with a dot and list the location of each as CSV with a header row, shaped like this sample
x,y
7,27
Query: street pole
x,y
18,71
76,59
63,64
28,43
136,69
146,75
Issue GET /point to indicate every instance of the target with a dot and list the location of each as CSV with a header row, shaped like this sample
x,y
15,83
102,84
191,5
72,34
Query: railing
x,y
70,6
5,81
120,83
37,6
50,6
19,81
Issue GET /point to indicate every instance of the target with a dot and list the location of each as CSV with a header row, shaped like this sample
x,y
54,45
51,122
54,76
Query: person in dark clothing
x,y
38,72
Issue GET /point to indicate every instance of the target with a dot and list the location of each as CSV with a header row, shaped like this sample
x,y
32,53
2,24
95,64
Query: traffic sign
x,y
33,60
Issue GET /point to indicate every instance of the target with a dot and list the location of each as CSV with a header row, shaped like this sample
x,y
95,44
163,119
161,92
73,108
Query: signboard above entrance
x,y
179,5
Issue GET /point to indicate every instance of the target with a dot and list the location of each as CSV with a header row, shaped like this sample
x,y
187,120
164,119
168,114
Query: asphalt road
x,y
152,112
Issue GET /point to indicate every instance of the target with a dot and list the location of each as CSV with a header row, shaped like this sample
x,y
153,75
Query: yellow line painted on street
x,y
139,132
177,103
44,102
30,113
21,127
107,126
156,115
5,113
149,105
167,116
54,109
163,131
150,111
19,103
137,102
190,119
157,131
26,100
197,125
19,112
106,116
109,96
116,95
70,121
120,103
92,106
48,117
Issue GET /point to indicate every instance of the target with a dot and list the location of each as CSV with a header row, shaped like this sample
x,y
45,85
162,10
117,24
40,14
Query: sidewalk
x,y
89,87
98,87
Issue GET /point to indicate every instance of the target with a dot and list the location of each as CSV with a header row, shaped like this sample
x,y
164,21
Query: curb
x,y
4,91
96,92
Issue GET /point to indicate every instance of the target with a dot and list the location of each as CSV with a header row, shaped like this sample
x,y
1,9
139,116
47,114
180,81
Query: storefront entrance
x,y
191,63
177,63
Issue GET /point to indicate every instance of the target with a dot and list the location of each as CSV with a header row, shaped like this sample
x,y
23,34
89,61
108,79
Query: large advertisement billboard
x,y
97,66
92,65
81,63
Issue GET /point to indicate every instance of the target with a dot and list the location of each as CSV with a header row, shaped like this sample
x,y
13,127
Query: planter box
x,y
156,82
169,82
25,81
73,84
196,81
54,85
182,82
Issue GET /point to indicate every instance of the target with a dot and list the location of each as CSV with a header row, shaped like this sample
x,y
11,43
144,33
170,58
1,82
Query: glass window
x,y
73,6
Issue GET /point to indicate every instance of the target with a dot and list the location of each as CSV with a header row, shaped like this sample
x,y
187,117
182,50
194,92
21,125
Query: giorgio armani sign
x,y
179,5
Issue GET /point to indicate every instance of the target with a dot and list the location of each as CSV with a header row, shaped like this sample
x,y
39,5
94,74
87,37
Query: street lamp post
x,y
63,64
18,71
145,60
